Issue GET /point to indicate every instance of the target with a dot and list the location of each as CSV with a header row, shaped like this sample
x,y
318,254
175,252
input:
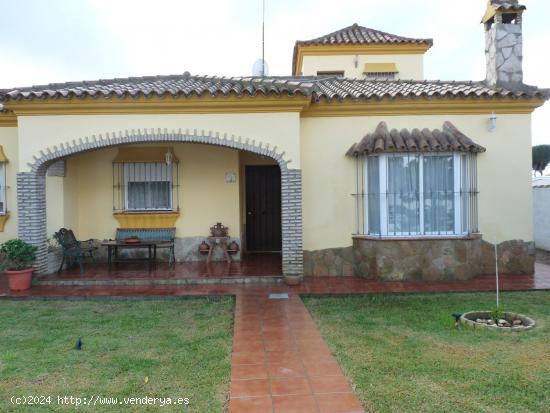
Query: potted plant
x,y
17,259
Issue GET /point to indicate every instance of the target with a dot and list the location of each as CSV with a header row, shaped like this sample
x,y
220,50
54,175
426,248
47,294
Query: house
x,y
354,164
541,215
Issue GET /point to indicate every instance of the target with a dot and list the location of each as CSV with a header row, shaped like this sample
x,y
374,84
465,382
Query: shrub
x,y
17,255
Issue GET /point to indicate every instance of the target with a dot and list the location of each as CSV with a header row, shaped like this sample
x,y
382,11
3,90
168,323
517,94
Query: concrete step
x,y
99,282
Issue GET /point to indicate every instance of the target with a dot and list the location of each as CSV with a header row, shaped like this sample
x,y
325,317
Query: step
x,y
99,282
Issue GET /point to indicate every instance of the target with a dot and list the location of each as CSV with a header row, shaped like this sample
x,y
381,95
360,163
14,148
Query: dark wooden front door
x,y
263,208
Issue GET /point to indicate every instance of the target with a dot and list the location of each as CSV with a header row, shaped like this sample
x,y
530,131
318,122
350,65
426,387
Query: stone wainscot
x,y
425,259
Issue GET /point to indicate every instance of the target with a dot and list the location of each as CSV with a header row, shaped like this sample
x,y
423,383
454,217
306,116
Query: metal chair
x,y
74,251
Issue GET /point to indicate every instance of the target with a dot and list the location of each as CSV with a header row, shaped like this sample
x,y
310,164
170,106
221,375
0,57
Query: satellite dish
x,y
260,68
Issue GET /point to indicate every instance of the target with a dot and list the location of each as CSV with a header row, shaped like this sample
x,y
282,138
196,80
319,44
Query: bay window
x,y
418,194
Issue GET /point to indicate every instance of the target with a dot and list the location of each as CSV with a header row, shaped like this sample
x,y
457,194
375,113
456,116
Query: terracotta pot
x,y
293,279
20,280
204,248
233,246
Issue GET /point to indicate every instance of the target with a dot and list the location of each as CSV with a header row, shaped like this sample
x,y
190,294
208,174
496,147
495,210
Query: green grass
x,y
403,354
132,348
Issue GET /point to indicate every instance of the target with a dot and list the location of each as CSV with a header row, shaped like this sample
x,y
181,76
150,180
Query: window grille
x,y
400,195
337,73
381,75
145,186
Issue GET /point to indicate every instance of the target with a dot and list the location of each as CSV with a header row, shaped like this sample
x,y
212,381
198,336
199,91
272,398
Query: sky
x,y
71,40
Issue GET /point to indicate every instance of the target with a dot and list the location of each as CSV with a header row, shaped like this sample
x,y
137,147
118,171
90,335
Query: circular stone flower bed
x,y
507,321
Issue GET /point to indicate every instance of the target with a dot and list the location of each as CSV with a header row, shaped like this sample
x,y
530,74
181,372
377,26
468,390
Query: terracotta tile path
x,y
280,362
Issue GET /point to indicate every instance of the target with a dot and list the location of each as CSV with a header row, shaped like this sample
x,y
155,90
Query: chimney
x,y
504,43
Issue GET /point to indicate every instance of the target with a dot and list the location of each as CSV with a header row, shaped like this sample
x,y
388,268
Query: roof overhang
x,y
494,8
383,140
421,106
160,105
8,119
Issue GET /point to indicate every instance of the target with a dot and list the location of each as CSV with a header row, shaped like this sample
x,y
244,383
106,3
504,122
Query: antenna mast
x,y
263,38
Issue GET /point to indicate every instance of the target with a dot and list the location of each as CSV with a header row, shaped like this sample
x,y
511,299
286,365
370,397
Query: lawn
x,y
403,354
131,348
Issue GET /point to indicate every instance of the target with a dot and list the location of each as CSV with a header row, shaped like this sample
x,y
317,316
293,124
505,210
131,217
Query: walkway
x,y
280,362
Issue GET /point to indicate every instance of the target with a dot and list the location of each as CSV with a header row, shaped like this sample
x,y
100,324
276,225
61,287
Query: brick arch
x,y
31,186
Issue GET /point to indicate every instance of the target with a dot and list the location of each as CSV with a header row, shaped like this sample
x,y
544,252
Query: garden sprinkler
x,y
496,273
78,345
457,318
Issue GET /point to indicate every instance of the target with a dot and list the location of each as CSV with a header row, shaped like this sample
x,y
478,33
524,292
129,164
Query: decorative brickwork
x,y
31,209
291,196
57,169
31,186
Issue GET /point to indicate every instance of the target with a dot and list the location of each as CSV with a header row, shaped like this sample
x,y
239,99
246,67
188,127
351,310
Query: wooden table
x,y
114,246
220,242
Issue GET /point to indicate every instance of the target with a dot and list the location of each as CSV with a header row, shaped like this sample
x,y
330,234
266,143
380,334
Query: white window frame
x,y
127,180
383,188
3,188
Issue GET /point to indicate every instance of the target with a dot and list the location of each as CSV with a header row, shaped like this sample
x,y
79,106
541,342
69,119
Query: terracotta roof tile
x,y
507,5
316,87
357,35
341,89
448,139
174,85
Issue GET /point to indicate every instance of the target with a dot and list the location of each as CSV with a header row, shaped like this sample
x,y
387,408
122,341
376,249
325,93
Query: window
x,y
380,71
381,76
414,194
145,179
3,206
337,73
148,186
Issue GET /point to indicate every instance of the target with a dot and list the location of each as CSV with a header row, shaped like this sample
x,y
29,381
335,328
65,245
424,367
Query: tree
x,y
541,158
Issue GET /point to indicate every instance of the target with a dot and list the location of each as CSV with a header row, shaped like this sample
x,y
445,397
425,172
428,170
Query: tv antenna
x,y
260,67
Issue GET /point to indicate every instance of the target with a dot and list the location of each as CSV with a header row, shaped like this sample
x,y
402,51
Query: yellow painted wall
x,y
205,197
504,171
8,140
409,66
504,174
276,129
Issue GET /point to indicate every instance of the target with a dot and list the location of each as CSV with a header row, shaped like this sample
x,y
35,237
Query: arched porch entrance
x,y
31,186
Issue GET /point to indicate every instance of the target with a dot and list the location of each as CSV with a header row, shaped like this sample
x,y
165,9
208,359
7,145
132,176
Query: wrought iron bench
x,y
163,236
74,251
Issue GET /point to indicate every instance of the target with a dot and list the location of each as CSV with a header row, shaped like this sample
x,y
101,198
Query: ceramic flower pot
x,y
204,248
19,280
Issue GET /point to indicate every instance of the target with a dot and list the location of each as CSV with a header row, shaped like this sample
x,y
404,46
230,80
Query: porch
x,y
141,284
186,183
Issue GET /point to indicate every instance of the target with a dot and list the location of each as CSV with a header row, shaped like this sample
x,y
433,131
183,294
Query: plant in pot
x,y
17,258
